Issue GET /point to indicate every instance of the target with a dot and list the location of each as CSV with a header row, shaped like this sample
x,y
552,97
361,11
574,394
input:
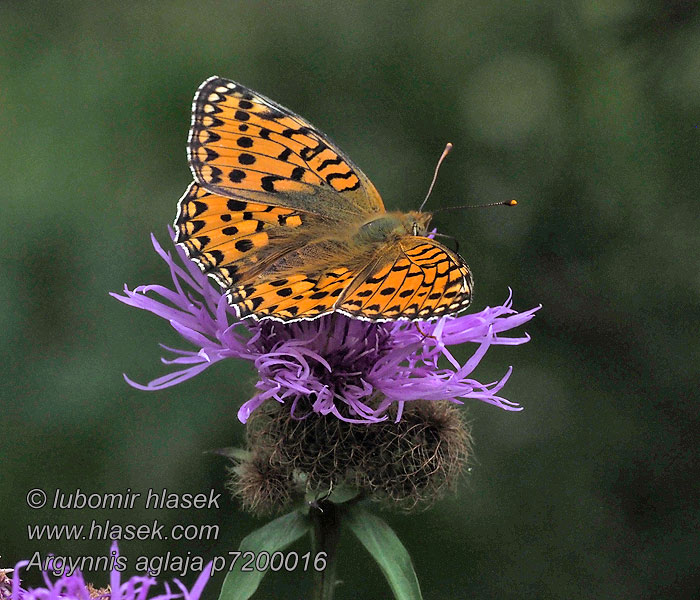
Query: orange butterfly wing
x,y
297,296
266,181
422,280
244,145
233,240
417,278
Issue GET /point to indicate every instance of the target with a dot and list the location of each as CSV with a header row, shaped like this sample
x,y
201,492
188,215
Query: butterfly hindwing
x,y
292,298
417,278
423,279
244,145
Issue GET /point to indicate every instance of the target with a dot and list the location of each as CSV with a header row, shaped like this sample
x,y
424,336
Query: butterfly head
x,y
416,223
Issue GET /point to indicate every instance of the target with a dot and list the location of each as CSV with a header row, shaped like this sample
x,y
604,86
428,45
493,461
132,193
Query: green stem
x,y
326,518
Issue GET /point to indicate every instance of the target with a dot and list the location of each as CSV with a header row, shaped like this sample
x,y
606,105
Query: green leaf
x,y
386,548
275,536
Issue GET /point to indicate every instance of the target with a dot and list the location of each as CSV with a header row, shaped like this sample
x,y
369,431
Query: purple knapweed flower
x,y
74,587
353,369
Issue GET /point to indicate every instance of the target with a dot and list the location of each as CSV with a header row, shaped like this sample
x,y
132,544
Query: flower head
x,y
355,370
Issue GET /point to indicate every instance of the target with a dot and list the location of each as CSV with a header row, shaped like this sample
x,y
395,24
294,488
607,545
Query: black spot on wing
x,y
236,175
236,205
244,245
268,182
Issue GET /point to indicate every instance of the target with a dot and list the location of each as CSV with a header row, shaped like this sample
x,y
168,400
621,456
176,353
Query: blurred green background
x,y
587,112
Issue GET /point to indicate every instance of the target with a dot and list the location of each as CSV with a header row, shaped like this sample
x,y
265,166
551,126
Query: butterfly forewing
x,y
244,145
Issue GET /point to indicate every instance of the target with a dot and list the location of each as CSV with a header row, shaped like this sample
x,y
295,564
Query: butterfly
x,y
292,229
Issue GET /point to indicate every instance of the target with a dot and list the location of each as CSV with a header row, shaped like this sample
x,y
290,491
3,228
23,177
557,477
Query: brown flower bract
x,y
405,465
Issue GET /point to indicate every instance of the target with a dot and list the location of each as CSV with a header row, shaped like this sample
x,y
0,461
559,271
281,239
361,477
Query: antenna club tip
x,y
511,203
448,146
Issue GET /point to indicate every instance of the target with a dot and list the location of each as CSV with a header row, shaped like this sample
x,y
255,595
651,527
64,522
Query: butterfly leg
x,y
425,335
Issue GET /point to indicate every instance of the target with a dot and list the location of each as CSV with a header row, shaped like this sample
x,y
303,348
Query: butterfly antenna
x,y
504,203
445,152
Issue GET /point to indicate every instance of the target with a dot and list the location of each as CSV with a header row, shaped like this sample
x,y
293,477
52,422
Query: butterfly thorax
x,y
393,225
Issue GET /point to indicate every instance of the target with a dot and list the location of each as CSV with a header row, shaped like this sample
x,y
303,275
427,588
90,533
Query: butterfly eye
x,y
415,228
